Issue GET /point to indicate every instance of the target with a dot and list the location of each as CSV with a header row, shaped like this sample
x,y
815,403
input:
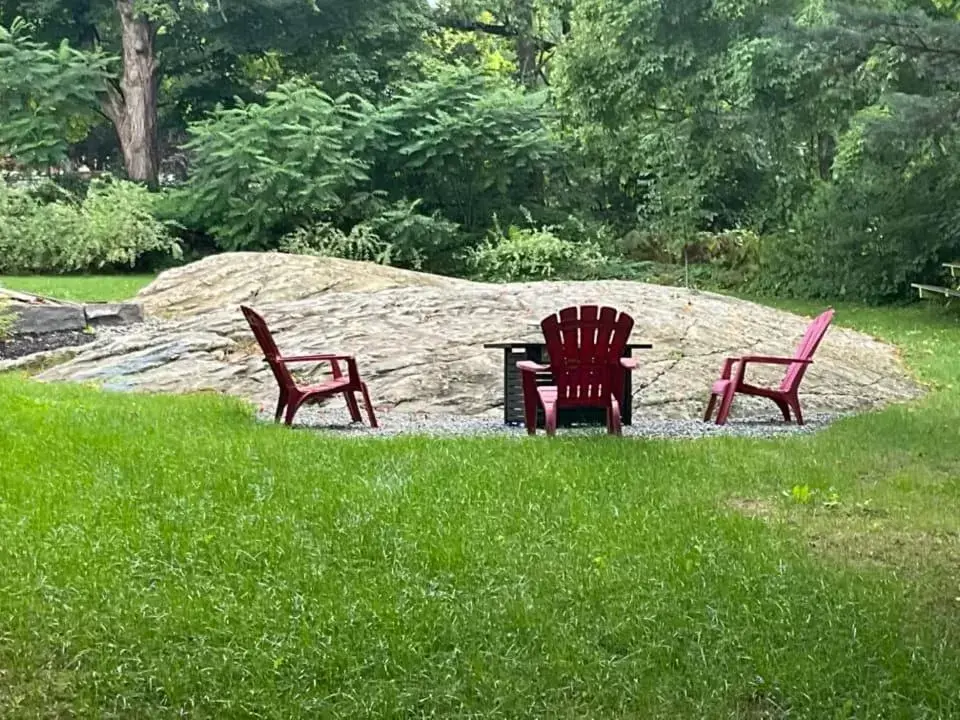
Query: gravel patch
x,y
334,420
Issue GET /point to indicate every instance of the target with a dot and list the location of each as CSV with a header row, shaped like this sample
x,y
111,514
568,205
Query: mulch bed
x,y
19,345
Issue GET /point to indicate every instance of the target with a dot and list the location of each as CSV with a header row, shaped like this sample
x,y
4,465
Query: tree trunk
x,y
527,47
133,107
826,151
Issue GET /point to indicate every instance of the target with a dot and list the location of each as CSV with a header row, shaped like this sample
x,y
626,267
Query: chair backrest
x,y
585,345
805,350
270,351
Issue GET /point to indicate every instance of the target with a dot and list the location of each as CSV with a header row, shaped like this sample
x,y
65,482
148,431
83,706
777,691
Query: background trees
x,y
790,145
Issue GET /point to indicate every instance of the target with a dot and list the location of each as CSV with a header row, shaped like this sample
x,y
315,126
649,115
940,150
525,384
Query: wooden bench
x,y
513,352
937,290
940,290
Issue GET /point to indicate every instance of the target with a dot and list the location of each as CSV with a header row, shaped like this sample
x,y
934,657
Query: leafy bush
x,y
324,239
414,240
113,226
868,240
534,254
470,146
261,171
395,235
48,95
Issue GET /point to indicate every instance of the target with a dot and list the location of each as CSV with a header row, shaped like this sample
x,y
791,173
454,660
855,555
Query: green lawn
x,y
79,288
166,557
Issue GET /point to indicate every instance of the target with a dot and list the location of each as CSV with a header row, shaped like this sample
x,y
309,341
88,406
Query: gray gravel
x,y
334,419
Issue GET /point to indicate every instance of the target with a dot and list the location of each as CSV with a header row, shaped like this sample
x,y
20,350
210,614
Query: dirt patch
x,y
18,346
910,550
753,507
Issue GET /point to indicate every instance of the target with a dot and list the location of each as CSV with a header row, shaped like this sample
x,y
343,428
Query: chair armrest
x,y
727,370
770,360
629,363
530,366
313,358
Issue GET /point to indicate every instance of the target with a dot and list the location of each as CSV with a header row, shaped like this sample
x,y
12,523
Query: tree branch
x,y
112,104
490,29
921,48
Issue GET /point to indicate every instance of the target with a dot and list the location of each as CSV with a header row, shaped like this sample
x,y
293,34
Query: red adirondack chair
x,y
585,345
785,396
292,396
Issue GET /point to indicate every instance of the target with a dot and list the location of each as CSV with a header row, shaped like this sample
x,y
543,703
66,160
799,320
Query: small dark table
x,y
514,352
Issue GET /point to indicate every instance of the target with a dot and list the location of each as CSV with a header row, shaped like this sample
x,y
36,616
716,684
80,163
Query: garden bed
x,y
41,324
17,346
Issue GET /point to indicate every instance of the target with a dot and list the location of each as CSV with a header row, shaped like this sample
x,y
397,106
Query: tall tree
x,y
161,42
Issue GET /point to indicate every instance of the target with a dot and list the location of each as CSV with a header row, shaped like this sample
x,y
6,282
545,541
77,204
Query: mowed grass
x,y
79,288
169,557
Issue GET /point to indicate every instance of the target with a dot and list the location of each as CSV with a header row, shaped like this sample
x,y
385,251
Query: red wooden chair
x,y
292,396
785,396
585,345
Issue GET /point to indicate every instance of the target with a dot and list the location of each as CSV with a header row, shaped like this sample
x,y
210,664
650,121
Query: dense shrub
x,y
325,239
534,254
415,240
426,172
261,171
397,235
888,219
469,146
113,226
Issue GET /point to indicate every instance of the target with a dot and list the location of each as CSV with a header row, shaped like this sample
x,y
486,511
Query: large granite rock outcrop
x,y
419,339
252,278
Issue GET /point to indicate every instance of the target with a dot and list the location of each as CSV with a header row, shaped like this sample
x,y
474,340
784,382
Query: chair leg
x,y
292,406
368,405
550,416
711,404
614,425
794,403
531,399
352,406
281,404
725,404
784,408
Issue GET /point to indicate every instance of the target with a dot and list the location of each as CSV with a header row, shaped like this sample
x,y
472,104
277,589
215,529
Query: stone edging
x,y
43,318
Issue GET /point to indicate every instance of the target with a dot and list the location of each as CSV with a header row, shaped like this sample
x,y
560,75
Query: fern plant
x,y
324,239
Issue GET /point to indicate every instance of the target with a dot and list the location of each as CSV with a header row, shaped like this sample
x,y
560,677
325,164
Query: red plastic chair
x,y
585,345
786,396
292,396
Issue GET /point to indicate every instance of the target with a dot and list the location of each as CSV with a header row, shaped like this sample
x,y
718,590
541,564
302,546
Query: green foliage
x,y
415,240
884,222
396,234
443,156
523,254
113,226
262,171
469,146
47,96
828,128
324,239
